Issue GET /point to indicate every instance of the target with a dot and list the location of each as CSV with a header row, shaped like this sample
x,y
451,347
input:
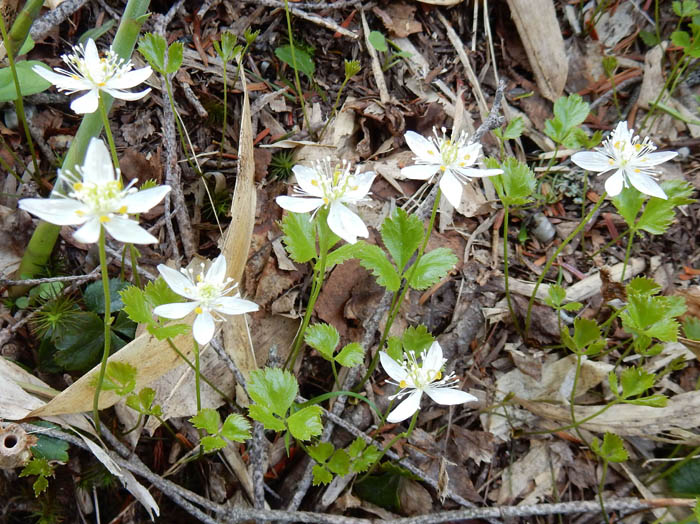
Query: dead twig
x,y
42,26
37,281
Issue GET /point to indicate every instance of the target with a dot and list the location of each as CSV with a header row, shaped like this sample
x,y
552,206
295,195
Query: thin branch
x,y
42,26
38,281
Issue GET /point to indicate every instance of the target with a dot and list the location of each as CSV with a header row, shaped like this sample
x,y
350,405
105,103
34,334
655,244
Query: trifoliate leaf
x,y
370,455
299,236
635,381
136,305
417,339
306,423
628,204
321,475
515,185
340,255
265,417
612,448
339,463
375,260
432,267
556,296
207,419
321,452
236,428
402,234
658,213
153,47
120,377
571,110
174,57
514,129
212,443
324,338
351,355
274,388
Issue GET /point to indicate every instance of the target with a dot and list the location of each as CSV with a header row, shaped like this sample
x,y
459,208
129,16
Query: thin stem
x,y
107,331
397,305
516,322
600,491
578,422
108,132
551,260
654,105
135,265
198,393
223,130
205,379
610,243
335,105
336,382
297,83
393,441
19,103
630,241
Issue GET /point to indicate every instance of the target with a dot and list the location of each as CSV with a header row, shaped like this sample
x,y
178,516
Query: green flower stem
x,y
610,243
205,379
336,382
396,303
39,249
19,103
108,332
332,394
198,392
335,104
133,252
577,424
551,260
393,441
108,131
516,322
654,105
630,241
318,277
292,49
601,484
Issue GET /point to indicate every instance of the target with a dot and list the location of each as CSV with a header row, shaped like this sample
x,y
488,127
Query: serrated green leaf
x,y
339,463
572,306
321,452
40,485
321,475
370,455
675,305
649,38
304,62
635,381
212,443
94,296
571,110
306,423
356,447
514,129
612,448
169,331
402,234
613,383
516,184
628,204
658,213
274,388
642,286
158,293
299,236
394,348
556,296
691,328
153,48
680,39
432,267
351,355
135,305
416,339
37,466
378,41
174,57
324,338
49,448
340,255
586,332
652,401
207,419
120,377
265,417
29,82
375,260
146,397
236,428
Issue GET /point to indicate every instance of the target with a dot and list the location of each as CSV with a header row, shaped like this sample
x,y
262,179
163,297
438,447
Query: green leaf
x,y
265,417
556,296
609,65
174,57
680,39
236,428
158,293
207,419
120,377
586,332
82,347
96,32
642,286
658,213
41,467
304,62
274,388
153,48
649,38
339,463
649,315
362,458
378,41
432,267
306,423
571,110
628,204
685,8
143,401
95,298
652,401
27,46
169,331
516,184
340,255
321,475
49,448
40,485
321,452
394,348
228,48
324,338
135,305
299,236
635,381
416,339
691,328
29,82
375,260
351,355
686,479
514,129
572,306
212,443
612,449
402,234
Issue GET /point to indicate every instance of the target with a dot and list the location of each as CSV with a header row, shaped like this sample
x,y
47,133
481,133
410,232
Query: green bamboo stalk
x,y
45,235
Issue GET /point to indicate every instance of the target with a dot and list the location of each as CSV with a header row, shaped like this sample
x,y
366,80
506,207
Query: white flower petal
x,y
363,183
392,368
433,359
143,201
423,148
305,178
451,188
203,328
130,78
592,161
469,153
235,306
217,271
59,211
126,95
407,408
654,159
613,185
90,232
420,171
61,81
621,132
647,185
128,231
176,281
298,204
92,57
88,103
479,173
346,224
97,168
175,310
448,396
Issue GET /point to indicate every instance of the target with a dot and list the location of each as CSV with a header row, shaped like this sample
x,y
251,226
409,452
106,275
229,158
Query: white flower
x,y
96,199
415,379
208,295
88,72
452,158
331,185
632,160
